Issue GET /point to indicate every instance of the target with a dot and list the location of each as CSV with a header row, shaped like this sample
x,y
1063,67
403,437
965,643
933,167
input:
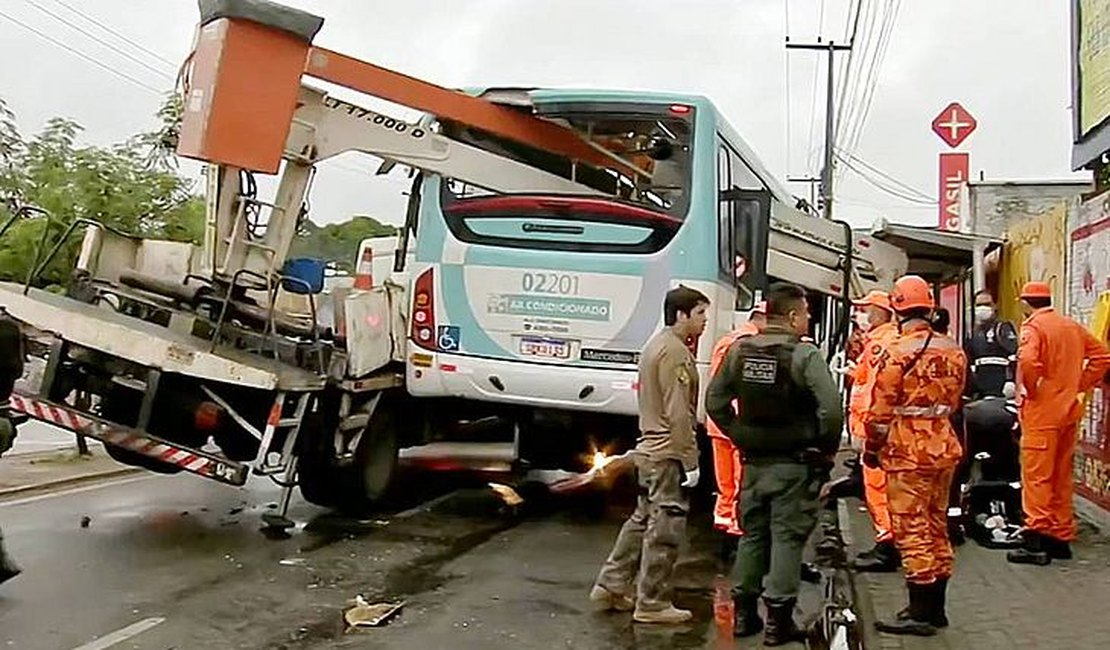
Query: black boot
x,y
1057,549
956,531
747,621
781,628
940,603
8,569
884,559
918,616
1032,552
939,618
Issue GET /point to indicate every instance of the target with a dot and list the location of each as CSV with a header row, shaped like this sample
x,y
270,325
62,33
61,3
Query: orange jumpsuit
x,y
908,425
726,457
1051,376
863,379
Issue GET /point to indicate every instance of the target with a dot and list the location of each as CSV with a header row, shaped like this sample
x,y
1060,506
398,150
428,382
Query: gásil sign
x,y
953,175
952,125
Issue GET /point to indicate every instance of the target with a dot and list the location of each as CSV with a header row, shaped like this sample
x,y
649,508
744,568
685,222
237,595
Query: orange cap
x,y
911,292
875,298
760,308
1036,290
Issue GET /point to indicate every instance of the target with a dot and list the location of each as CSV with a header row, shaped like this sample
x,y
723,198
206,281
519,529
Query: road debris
x,y
293,561
85,521
507,494
364,614
602,466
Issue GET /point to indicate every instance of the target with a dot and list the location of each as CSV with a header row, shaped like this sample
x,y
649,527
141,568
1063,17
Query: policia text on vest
x,y
789,405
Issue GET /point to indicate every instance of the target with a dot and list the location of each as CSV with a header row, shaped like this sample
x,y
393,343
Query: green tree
x,y
131,186
338,242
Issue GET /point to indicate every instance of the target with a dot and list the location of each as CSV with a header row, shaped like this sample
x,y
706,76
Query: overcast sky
x,y
1007,61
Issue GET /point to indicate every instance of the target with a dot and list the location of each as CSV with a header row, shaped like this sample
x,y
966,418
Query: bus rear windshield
x,y
653,138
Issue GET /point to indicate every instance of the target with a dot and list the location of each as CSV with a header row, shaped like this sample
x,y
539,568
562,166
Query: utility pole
x,y
830,49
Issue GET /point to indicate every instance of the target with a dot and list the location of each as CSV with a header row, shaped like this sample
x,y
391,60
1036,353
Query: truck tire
x,y
316,469
369,479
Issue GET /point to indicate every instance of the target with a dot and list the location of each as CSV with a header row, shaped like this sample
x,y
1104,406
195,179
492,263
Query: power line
x,y
816,76
881,206
909,189
115,33
878,184
851,39
872,82
51,39
872,76
855,84
98,39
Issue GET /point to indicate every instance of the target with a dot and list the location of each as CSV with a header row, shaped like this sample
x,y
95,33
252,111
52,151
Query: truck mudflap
x,y
187,458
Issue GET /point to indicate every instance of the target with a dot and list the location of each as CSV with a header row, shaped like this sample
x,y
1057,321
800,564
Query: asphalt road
x,y
177,562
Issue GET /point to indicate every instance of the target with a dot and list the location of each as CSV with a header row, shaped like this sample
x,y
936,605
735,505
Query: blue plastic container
x,y
309,271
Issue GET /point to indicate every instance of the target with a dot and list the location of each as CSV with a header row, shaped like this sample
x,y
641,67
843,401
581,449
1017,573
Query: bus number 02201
x,y
550,283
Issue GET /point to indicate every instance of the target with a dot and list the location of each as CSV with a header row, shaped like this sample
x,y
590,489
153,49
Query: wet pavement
x,y
995,605
177,562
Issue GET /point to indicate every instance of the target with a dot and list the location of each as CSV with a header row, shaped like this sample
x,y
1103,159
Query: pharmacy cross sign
x,y
954,124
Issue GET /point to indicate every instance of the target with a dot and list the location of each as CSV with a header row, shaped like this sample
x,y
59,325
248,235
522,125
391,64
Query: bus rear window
x,y
653,138
570,223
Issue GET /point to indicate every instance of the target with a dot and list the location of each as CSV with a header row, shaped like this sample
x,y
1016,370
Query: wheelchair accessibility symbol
x,y
447,338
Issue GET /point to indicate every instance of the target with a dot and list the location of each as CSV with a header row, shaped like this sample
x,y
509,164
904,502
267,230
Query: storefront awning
x,y
934,254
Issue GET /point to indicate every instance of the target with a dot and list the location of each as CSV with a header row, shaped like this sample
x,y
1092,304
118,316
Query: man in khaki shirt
x,y
666,462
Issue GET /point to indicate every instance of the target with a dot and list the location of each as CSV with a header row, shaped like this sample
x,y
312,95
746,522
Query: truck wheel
x,y
316,470
369,479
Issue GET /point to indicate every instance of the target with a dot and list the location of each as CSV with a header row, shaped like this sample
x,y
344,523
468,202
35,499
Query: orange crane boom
x,y
246,74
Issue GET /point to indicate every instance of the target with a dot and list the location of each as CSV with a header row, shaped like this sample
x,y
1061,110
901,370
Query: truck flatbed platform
x,y
100,328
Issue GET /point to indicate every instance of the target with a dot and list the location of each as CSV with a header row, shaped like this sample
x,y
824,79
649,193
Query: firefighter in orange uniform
x,y
875,319
1058,362
726,457
918,384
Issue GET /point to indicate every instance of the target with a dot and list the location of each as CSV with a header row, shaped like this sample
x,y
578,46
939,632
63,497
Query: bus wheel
x,y
371,476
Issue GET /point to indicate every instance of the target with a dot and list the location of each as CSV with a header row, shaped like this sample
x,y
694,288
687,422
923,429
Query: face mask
x,y
983,312
863,320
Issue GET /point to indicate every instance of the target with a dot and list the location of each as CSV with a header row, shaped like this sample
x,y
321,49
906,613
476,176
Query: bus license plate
x,y
546,348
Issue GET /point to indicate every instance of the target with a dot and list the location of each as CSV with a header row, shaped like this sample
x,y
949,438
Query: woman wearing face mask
x,y
990,351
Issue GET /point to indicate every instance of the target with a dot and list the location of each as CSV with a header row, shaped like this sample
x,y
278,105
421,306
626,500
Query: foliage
x,y
130,186
338,243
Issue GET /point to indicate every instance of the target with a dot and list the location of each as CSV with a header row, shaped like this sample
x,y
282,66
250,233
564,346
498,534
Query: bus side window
x,y
724,217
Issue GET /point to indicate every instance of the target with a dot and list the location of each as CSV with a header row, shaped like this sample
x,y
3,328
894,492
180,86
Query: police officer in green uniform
x,y
788,429
11,368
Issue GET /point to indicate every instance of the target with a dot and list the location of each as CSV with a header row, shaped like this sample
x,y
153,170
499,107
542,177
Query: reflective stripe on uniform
x,y
939,411
991,361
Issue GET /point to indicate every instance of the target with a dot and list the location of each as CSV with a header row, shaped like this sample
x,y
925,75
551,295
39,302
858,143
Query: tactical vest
x,y
990,361
777,416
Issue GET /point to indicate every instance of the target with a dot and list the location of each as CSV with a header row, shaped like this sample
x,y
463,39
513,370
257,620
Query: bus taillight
x,y
424,311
